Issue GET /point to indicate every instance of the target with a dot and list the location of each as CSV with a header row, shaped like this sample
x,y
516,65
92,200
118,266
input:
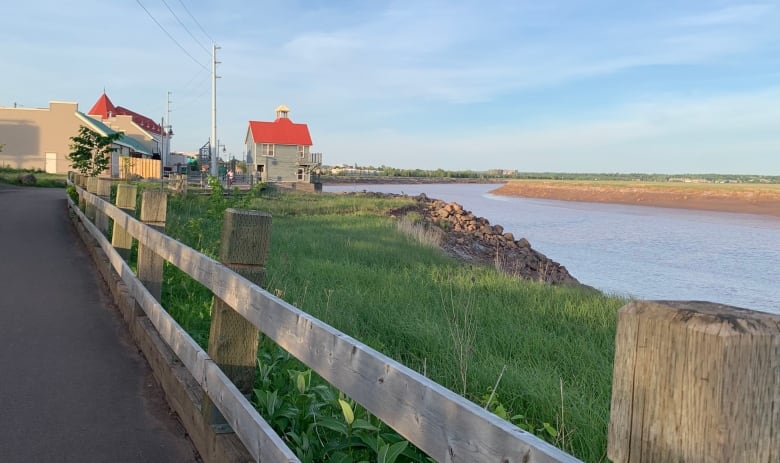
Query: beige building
x,y
280,151
39,138
152,135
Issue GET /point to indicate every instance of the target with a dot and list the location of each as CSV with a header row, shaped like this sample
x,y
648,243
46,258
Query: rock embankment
x,y
471,238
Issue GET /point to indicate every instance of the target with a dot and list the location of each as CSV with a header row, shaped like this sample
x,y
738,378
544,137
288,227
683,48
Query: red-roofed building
x,y
134,125
280,151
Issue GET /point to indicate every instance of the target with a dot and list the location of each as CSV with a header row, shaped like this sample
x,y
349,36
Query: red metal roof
x,y
143,121
105,109
282,131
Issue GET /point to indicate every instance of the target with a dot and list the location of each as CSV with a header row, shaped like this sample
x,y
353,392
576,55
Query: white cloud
x,y
734,133
353,72
728,15
469,52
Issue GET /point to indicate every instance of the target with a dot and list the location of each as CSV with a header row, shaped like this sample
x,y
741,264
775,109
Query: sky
x,y
554,86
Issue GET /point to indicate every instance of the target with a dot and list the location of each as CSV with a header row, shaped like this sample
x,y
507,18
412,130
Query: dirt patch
x,y
758,199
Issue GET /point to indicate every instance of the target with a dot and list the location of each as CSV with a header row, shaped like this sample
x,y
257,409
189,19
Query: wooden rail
x,y
441,423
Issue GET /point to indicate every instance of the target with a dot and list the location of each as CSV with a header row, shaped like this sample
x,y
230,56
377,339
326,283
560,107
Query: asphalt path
x,y
73,387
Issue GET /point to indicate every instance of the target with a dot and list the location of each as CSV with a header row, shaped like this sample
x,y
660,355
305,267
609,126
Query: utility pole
x,y
168,127
162,150
213,148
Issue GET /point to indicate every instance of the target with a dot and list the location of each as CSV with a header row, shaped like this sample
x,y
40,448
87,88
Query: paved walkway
x,y
73,388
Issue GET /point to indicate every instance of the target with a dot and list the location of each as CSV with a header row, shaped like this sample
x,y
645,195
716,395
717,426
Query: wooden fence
x,y
441,423
143,167
693,381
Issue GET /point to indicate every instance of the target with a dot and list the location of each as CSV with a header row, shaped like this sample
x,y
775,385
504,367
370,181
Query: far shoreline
x,y
759,199
736,198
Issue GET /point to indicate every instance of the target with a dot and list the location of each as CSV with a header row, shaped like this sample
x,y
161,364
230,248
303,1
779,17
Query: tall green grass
x,y
13,176
341,259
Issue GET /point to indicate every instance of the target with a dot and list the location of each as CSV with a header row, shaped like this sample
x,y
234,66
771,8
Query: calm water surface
x,y
644,252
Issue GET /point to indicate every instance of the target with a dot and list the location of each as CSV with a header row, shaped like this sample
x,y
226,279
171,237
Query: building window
x,y
260,168
268,149
300,174
301,152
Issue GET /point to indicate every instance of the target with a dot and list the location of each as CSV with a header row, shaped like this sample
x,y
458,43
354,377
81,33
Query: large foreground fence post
x,y
246,240
126,200
154,205
695,382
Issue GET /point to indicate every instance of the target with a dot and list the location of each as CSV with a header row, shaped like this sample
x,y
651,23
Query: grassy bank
x,y
21,177
341,259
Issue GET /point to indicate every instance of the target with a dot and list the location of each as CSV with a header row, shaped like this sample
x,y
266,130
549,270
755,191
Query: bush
x,y
26,179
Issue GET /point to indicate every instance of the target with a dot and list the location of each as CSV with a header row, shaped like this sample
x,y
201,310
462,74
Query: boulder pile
x,y
471,238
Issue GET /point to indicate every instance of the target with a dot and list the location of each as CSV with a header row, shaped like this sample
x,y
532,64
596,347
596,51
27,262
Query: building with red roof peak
x,y
134,125
280,151
41,138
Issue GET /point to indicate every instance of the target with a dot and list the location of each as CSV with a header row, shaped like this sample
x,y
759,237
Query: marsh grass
x,y
427,235
341,259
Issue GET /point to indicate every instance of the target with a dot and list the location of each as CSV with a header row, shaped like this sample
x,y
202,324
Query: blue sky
x,y
561,86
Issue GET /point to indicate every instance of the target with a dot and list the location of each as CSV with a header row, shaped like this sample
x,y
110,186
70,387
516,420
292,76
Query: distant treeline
x,y
385,171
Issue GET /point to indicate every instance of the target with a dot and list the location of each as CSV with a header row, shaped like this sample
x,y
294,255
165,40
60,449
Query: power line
x,y
193,82
185,27
171,37
196,22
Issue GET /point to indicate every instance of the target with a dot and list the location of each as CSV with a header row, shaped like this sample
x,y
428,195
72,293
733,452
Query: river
x,y
636,251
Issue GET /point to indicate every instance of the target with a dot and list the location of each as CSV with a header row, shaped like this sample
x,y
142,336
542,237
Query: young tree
x,y
91,152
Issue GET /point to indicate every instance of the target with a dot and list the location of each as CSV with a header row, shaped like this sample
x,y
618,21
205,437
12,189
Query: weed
x,y
420,232
457,303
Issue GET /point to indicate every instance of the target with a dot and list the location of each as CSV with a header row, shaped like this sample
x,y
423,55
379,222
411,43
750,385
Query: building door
x,y
51,163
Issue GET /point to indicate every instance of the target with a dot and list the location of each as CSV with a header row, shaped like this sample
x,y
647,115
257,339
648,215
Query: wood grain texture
x,y
154,207
246,237
695,382
126,195
103,190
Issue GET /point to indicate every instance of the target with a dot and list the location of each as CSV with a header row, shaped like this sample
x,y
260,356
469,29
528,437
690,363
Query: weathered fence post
x,y
91,188
126,200
154,205
695,382
79,182
246,240
104,192
178,183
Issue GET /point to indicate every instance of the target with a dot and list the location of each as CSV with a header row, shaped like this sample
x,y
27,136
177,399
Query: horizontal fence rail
x,y
260,439
438,421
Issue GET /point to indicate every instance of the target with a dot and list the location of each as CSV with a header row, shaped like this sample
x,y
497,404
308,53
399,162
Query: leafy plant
x,y
74,195
316,421
91,152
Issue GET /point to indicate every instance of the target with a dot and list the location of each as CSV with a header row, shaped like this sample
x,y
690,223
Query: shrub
x,y
26,179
